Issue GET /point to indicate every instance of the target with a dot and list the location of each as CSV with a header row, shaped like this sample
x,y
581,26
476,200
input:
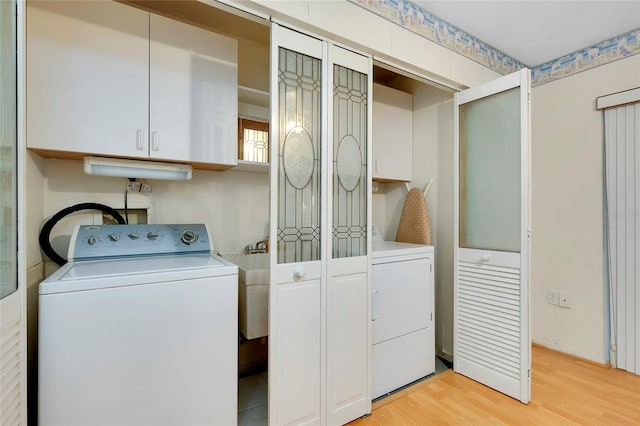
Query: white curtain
x,y
622,222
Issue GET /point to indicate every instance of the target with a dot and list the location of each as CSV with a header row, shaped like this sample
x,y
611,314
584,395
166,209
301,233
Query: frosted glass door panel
x,y
490,190
8,151
299,92
349,162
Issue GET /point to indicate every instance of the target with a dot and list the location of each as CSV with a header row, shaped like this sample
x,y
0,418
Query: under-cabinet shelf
x,y
251,166
251,96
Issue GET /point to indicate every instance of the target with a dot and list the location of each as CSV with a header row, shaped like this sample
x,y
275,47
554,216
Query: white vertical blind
x,y
622,215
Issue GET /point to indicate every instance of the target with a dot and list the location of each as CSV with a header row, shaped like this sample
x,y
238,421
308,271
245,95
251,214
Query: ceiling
x,y
535,32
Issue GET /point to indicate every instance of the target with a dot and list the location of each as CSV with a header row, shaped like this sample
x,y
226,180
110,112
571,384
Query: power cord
x,y
45,232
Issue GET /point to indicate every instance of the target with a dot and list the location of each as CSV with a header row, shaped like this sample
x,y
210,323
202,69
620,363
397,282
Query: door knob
x,y
298,273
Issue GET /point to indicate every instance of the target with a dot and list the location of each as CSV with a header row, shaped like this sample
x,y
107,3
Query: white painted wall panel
x,y
413,49
234,204
347,23
567,206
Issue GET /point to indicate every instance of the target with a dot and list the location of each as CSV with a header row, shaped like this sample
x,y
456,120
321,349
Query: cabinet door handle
x,y
375,165
155,142
375,311
140,139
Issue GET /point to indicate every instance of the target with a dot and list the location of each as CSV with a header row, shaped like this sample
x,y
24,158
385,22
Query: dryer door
x,y
402,301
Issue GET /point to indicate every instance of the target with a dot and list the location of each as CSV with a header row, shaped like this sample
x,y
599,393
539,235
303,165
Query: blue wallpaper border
x,y
419,21
602,53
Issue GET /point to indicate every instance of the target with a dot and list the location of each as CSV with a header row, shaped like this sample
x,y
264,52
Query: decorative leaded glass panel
x,y
299,174
349,163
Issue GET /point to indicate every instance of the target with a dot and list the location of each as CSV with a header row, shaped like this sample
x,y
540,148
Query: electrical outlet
x,y
553,296
133,185
136,185
565,299
145,188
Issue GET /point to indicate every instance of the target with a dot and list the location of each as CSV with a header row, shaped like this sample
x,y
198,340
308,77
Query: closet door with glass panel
x,y
298,191
348,291
319,347
492,341
13,365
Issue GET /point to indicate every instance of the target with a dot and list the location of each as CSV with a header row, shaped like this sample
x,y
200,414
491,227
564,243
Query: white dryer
x,y
403,306
140,327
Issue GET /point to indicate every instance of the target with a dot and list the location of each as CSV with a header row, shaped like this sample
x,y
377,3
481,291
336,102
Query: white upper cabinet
x,y
392,134
193,92
108,79
87,77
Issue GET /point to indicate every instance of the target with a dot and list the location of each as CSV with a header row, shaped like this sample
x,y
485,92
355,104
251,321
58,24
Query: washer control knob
x,y
92,240
152,236
114,237
188,236
133,235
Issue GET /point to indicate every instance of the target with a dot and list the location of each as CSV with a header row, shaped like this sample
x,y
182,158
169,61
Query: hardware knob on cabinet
x,y
485,258
298,273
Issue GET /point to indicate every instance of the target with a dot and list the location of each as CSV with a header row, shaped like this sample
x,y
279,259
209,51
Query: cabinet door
x,y
392,134
193,102
87,73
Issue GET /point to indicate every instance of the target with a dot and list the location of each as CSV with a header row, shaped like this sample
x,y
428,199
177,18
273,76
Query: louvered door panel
x,y
489,322
10,376
492,343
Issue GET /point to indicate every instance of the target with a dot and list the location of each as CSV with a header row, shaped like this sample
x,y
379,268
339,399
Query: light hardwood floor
x,y
565,391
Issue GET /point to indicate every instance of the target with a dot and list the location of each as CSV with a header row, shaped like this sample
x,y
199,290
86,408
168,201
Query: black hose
x,y
45,232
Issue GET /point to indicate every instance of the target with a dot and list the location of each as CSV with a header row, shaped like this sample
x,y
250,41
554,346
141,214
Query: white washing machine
x,y
139,328
403,312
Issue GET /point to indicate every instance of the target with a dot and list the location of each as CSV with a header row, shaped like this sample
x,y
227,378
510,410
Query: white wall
x,y
234,204
348,23
444,238
34,193
567,206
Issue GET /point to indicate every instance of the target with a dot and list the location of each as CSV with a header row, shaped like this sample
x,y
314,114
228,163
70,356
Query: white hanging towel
x,y
414,226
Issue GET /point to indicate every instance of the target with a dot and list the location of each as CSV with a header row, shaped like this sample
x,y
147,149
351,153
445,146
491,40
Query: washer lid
x,y
138,265
391,248
108,273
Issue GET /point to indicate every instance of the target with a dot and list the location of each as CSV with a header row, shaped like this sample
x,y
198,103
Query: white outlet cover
x,y
565,299
553,296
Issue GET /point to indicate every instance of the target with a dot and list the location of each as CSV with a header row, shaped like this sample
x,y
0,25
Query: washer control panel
x,y
99,241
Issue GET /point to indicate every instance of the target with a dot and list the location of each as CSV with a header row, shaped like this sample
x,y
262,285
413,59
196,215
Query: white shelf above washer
x,y
251,96
251,166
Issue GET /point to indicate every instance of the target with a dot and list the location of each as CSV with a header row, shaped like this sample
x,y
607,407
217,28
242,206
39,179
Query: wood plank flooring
x,y
565,391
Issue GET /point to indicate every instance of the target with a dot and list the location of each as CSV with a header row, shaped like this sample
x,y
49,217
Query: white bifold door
x,y
13,338
492,342
319,304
